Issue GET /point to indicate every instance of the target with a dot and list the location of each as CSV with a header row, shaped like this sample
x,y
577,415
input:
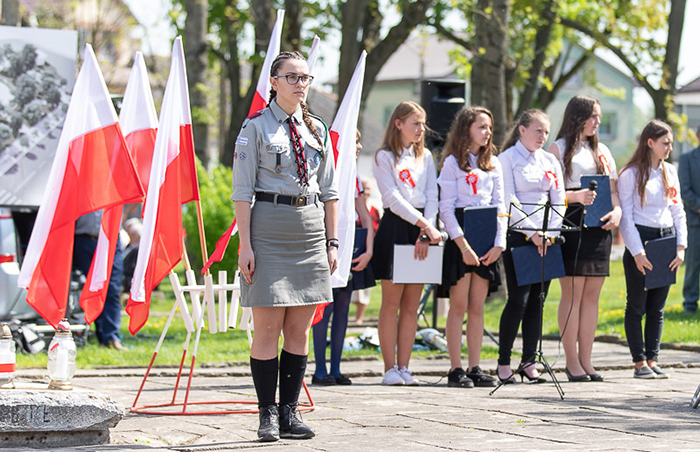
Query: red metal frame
x,y
153,408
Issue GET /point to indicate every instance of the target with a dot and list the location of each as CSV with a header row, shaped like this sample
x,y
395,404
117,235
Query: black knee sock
x,y
292,368
265,379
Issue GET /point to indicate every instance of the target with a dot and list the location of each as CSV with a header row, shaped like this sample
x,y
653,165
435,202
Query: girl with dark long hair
x,y
587,252
651,208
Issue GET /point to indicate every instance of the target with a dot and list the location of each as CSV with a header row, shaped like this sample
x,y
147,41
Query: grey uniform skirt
x,y
291,263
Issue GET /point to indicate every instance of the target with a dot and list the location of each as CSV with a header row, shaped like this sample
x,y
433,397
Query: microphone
x,y
559,239
443,234
593,185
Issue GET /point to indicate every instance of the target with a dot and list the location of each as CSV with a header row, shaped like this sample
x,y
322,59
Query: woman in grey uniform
x,y
288,244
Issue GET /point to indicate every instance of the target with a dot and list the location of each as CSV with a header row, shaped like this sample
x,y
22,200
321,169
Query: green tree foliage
x,y
218,213
33,112
26,90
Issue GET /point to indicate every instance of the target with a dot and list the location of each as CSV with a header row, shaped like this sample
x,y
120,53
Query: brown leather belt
x,y
296,201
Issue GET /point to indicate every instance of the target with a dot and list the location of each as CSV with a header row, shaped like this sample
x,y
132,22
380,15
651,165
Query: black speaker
x,y
441,99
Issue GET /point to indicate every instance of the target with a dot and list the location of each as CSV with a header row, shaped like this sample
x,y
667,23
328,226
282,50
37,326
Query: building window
x,y
607,130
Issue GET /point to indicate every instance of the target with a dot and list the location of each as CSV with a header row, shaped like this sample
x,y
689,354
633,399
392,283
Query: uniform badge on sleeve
x,y
242,156
317,158
243,141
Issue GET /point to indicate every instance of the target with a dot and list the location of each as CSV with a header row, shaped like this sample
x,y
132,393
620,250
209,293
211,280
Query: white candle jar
x,y
62,354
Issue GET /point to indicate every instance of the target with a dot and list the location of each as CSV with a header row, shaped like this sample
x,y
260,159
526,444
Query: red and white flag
x,y
172,183
262,92
92,170
343,136
139,120
221,246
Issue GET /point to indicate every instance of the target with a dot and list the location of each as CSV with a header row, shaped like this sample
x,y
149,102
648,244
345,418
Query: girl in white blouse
x,y
651,209
471,176
405,174
531,177
587,252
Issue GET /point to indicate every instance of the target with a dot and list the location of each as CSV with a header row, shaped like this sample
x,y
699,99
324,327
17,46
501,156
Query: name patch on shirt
x,y
243,141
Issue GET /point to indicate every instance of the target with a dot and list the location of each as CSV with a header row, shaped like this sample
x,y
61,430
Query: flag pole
x,y
202,237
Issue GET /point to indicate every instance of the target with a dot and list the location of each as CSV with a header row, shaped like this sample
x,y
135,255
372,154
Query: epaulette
x,y
252,116
325,127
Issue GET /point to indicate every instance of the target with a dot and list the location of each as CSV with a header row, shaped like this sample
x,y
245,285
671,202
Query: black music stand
x,y
547,207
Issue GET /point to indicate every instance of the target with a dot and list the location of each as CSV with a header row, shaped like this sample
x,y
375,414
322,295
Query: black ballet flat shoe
x,y
328,380
343,380
532,380
576,378
269,429
291,425
596,377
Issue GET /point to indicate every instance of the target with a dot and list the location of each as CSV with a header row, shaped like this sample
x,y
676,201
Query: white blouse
x,y
657,212
583,163
529,180
457,190
408,185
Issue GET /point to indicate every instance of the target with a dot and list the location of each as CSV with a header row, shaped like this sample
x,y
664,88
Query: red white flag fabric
x,y
92,170
172,183
343,135
262,92
139,120
221,246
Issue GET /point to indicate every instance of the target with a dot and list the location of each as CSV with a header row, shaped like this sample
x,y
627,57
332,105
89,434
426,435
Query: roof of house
x,y
692,87
424,56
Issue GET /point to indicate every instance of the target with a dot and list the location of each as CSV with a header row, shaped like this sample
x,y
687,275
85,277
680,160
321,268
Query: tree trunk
x,y
292,25
490,77
353,16
542,38
10,13
196,51
264,16
676,19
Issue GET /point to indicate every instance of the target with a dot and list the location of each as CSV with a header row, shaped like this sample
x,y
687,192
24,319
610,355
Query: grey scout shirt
x,y
265,136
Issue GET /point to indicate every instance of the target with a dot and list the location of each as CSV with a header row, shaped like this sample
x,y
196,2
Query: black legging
x,y
523,304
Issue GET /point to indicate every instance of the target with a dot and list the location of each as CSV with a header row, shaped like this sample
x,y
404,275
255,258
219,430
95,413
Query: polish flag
x,y
138,119
172,183
343,134
262,92
92,170
221,246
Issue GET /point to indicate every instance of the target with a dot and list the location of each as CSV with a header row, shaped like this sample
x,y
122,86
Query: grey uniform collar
x,y
281,116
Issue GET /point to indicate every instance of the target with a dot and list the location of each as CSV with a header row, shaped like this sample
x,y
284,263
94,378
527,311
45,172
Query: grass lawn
x,y
233,345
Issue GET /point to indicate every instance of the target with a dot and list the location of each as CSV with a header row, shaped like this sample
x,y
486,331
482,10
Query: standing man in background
x,y
689,175
87,230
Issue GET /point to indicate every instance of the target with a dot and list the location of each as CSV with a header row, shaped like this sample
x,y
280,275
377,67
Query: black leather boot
x,y
291,425
269,429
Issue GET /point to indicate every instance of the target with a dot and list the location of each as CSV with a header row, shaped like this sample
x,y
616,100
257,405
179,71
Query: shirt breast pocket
x,y
278,157
314,154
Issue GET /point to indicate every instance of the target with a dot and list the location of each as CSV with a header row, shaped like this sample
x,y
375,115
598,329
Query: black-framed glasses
x,y
293,79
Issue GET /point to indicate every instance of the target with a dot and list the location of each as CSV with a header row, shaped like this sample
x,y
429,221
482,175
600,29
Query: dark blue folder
x,y
360,242
603,202
528,264
480,228
660,253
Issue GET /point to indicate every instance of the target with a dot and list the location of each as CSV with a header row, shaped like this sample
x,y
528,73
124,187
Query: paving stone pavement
x,y
620,414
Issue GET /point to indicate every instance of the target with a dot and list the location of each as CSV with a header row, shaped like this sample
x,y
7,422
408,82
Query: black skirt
x,y
392,230
593,252
454,268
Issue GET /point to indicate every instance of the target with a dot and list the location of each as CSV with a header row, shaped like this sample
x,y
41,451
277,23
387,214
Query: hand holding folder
x,y
603,200
660,252
480,226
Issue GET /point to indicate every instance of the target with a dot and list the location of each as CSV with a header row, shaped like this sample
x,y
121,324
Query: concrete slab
x,y
620,414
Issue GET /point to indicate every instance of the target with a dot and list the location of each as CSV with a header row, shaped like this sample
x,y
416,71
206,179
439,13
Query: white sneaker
x,y
392,377
408,379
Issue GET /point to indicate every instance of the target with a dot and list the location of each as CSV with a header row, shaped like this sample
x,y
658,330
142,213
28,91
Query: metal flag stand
x,y
226,320
196,290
